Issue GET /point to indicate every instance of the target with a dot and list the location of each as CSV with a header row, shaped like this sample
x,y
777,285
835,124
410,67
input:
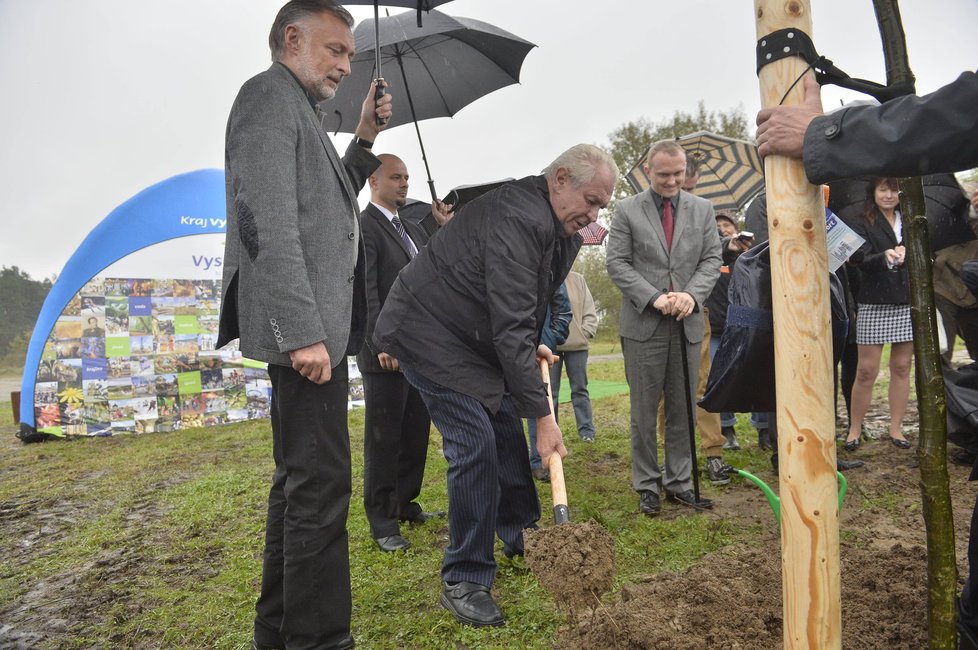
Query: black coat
x,y
908,136
467,312
878,284
385,257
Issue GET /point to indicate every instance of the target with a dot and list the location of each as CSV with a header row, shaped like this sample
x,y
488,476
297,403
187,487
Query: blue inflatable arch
x,y
182,206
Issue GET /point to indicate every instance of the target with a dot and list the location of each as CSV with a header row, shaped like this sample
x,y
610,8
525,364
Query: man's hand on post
x,y
373,109
387,362
312,362
781,129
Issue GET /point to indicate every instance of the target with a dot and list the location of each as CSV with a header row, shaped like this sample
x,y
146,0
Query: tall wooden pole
x,y
803,366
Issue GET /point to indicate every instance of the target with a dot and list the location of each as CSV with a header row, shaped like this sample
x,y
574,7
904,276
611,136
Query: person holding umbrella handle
x,y
294,295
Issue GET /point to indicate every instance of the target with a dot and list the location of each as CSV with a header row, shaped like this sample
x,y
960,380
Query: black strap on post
x,y
794,42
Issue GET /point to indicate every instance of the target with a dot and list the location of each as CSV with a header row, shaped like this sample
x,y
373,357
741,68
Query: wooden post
x,y
803,366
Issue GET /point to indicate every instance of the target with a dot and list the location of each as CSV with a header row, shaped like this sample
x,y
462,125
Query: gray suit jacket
x,y
291,271
643,269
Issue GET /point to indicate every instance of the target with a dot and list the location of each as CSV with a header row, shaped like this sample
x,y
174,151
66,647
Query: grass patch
x,y
157,539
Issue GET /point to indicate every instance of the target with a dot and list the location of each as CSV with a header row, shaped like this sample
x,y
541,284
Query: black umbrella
x,y
946,205
421,5
444,66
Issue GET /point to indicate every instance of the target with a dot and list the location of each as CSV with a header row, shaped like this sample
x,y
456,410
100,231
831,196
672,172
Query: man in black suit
x,y
396,422
463,319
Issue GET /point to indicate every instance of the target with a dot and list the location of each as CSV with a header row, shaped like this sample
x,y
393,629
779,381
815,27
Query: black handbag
x,y
742,373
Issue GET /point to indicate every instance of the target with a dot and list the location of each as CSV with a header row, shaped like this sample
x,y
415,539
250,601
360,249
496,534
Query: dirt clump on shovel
x,y
575,562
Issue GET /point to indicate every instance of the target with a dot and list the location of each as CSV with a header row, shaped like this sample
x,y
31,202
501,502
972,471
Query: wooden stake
x,y
803,366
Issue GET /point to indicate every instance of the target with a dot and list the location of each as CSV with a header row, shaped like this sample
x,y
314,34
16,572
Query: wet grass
x,y
155,540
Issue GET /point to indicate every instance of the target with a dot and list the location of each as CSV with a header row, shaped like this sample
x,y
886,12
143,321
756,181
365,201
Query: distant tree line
x,y
20,302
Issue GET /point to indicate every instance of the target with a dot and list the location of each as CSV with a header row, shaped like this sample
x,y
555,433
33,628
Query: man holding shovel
x,y
463,320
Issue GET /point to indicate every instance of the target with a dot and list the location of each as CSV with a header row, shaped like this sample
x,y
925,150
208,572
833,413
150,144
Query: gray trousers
x,y
653,369
576,363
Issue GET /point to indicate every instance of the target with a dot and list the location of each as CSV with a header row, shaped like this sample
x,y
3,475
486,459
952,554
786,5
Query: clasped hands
x,y
675,303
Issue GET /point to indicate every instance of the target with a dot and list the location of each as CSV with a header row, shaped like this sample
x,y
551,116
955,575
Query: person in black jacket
x,y
464,320
883,314
395,421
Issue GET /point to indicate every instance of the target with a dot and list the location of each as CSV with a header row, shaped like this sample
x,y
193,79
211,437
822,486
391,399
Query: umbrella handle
x,y
379,92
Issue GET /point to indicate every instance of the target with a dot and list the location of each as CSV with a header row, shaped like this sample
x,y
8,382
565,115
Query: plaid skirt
x,y
879,324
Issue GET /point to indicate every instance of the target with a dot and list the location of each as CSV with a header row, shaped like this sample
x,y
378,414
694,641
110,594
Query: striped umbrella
x,y
593,234
731,172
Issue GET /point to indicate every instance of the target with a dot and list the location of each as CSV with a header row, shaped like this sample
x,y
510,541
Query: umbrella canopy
x,y
440,68
593,234
945,202
731,172
420,5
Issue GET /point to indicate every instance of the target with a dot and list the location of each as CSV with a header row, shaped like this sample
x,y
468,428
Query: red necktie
x,y
667,221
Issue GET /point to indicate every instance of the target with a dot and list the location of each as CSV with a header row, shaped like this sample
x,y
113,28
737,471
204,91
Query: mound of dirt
x,y
575,562
732,601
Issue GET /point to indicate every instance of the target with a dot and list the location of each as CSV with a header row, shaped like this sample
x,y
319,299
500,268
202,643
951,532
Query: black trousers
x,y
490,488
395,447
305,592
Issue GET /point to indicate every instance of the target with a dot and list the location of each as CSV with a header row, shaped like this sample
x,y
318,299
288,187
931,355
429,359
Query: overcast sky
x,y
103,98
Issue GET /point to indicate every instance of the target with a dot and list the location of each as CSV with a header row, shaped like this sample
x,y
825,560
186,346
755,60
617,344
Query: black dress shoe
x,y
688,498
422,517
471,604
648,503
852,445
393,543
842,465
900,444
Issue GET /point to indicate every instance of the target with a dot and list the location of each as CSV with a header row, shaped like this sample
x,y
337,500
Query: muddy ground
x,y
728,600
732,600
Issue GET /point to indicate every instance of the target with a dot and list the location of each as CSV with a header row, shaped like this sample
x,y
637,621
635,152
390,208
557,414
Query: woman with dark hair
x,y
883,315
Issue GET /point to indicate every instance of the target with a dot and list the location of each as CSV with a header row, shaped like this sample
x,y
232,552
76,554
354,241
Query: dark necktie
x,y
408,244
667,221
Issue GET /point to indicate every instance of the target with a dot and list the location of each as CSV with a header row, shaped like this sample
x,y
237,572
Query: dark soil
x,y
575,562
732,600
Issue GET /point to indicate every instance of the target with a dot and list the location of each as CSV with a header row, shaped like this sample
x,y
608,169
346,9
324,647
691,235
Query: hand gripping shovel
x,y
574,561
558,489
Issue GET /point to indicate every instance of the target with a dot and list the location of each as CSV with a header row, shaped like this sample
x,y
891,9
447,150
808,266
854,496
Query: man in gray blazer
x,y
664,255
293,293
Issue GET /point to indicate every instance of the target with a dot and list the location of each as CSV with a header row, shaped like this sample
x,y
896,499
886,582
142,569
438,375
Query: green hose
x,y
775,501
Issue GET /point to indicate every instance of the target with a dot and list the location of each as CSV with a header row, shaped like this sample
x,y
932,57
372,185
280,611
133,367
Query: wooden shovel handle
x,y
558,489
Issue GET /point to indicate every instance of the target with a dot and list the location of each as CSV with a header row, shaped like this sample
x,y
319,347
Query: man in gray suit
x,y
664,255
293,294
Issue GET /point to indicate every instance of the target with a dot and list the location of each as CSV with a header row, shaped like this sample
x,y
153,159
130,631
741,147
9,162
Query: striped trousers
x,y
490,488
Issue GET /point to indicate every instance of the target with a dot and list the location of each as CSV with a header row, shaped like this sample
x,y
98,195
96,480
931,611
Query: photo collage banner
x,y
138,355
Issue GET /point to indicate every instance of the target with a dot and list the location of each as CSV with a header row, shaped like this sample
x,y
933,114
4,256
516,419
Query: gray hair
x,y
581,162
692,166
295,11
669,147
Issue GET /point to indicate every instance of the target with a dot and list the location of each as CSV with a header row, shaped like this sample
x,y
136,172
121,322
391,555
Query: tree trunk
x,y
803,367
942,575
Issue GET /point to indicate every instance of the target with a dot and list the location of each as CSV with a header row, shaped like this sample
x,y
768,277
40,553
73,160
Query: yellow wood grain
x,y
803,367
